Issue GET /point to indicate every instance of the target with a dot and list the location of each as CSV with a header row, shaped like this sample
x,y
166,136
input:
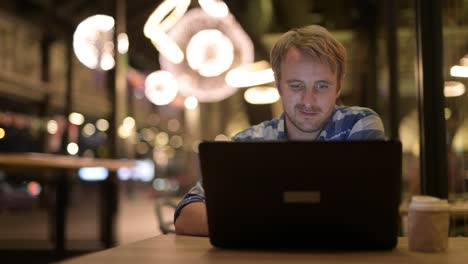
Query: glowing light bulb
x,y
261,95
52,127
93,44
459,71
122,43
76,118
72,148
210,52
453,89
191,102
102,125
250,75
161,87
215,8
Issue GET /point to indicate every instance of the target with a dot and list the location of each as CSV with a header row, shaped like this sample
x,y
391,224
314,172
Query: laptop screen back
x,y
302,194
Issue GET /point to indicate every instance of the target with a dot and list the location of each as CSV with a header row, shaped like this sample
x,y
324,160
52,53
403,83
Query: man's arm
x,y
192,220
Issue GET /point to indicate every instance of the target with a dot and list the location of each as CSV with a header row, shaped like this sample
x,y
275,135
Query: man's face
x,y
308,90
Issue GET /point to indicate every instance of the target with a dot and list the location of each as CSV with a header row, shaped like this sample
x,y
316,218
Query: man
x,y
309,67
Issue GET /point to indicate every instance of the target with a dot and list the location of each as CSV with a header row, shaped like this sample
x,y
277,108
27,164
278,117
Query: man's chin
x,y
309,129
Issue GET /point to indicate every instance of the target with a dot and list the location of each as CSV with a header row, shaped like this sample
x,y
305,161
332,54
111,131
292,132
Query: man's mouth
x,y
309,113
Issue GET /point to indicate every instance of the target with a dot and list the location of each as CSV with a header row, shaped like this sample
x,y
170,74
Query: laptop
x,y
290,194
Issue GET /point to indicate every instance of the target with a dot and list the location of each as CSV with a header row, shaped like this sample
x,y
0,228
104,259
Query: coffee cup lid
x,y
428,203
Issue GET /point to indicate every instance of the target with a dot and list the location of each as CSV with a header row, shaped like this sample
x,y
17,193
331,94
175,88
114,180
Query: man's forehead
x,y
294,54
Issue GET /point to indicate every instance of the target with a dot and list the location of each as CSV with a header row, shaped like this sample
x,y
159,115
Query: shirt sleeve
x,y
368,128
196,194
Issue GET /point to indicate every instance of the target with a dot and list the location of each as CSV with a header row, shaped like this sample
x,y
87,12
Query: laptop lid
x,y
302,194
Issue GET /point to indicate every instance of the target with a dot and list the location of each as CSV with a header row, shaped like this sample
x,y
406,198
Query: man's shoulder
x,y
352,113
267,130
354,122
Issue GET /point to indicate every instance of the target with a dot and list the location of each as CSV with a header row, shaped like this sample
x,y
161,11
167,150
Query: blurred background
x,y
148,80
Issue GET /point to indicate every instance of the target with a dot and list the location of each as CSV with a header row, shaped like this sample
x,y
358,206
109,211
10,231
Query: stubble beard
x,y
315,127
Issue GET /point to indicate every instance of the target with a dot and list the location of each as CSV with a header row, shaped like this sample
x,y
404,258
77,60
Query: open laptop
x,y
290,194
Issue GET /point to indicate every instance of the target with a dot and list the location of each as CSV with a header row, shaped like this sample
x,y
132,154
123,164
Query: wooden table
x,y
42,160
174,249
62,163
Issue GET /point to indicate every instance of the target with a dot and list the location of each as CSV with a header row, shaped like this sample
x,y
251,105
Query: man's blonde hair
x,y
315,41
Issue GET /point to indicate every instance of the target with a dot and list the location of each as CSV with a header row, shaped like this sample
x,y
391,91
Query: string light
x,y
205,80
459,71
191,102
173,125
214,8
102,125
257,73
52,127
167,47
92,42
176,141
210,52
165,16
72,148
453,89
76,118
162,139
122,43
261,95
161,87
88,130
160,21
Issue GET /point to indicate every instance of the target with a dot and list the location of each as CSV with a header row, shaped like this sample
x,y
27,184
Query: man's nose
x,y
309,96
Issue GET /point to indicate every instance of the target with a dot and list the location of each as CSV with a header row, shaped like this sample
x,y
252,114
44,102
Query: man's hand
x,y
192,220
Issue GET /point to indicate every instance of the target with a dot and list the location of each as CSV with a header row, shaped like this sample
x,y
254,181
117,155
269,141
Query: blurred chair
x,y
165,209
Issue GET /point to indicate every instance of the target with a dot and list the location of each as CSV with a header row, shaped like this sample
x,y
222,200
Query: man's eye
x,y
295,86
322,86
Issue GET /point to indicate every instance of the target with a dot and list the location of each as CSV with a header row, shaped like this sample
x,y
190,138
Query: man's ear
x,y
340,86
277,84
338,92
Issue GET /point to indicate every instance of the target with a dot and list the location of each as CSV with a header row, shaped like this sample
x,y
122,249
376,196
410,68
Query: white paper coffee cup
x,y
428,224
